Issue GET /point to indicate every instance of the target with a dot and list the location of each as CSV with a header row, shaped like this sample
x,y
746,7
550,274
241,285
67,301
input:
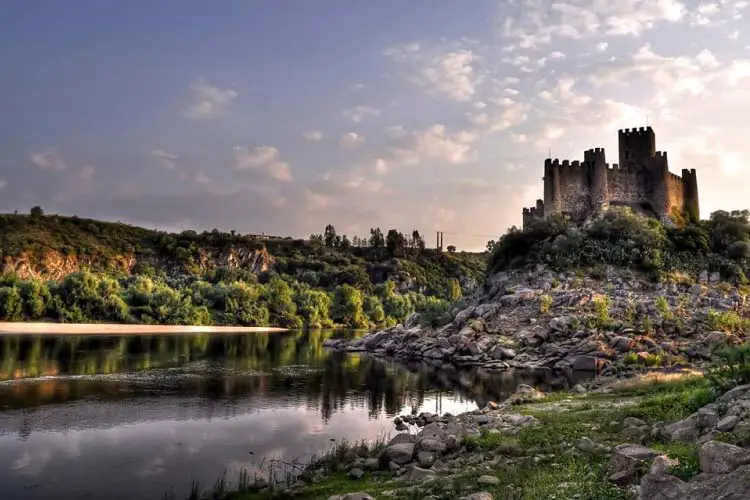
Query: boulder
x,y
401,453
482,495
731,486
431,445
728,423
426,459
500,352
717,457
416,474
356,473
360,495
628,460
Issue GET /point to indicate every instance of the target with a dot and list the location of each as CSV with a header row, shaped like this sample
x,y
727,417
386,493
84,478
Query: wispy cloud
x,y
263,159
48,159
208,101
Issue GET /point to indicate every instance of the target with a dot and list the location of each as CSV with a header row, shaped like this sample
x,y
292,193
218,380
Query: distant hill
x,y
53,246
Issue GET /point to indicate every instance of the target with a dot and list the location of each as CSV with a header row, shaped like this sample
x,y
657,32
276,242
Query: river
x,y
120,416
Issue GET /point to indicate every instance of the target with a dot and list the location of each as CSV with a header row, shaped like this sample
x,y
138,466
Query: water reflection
x,y
131,416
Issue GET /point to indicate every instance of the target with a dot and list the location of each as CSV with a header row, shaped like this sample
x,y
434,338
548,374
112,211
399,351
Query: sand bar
x,y
8,328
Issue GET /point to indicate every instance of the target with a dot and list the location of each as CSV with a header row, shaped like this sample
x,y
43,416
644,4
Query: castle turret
x,y
690,193
636,144
596,162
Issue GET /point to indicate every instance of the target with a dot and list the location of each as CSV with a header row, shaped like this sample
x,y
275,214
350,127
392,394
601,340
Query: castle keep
x,y
641,180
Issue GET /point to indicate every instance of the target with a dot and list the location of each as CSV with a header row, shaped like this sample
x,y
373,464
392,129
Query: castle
x,y
641,181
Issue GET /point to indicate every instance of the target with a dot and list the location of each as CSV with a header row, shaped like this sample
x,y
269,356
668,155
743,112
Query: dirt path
x,y
110,329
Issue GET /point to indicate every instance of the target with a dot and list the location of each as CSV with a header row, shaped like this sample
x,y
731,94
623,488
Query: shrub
x,y
730,368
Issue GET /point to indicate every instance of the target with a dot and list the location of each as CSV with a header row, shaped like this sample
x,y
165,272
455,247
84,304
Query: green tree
x,y
376,238
454,289
36,211
11,304
278,295
329,236
373,309
347,307
314,307
396,243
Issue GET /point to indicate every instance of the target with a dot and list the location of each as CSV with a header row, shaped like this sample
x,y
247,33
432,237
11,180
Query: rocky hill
x,y
51,247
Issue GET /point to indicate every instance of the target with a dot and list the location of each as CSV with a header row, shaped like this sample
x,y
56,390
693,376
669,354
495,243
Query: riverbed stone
x,y
728,423
401,453
356,473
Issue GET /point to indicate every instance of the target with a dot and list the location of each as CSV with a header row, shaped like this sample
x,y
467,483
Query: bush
x,y
730,368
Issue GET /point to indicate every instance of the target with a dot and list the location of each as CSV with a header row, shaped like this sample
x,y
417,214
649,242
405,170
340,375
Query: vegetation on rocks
x,y
222,278
625,239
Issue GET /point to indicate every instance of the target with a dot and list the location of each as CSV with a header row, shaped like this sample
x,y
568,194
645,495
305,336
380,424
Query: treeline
x,y
394,241
622,238
215,299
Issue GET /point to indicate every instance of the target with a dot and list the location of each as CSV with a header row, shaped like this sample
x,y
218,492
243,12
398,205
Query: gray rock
x,y
621,344
482,495
685,430
628,460
578,389
401,453
426,459
416,474
585,363
488,480
401,439
586,445
708,416
720,458
633,422
732,486
371,464
662,464
728,423
356,473
463,316
360,495
501,352
431,445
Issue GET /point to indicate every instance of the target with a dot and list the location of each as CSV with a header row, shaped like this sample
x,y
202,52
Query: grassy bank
x,y
540,462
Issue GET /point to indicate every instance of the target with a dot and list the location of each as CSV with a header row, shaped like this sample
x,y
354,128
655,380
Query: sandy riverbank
x,y
119,329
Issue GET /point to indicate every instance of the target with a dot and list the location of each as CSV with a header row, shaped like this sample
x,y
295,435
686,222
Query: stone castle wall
x,y
642,181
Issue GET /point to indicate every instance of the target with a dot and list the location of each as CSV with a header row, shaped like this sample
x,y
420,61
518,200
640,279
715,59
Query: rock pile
x,y
532,320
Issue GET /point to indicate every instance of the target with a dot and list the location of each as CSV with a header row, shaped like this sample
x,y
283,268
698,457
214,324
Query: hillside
x,y
52,246
86,270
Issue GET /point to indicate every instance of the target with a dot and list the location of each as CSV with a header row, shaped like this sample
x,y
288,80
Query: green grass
x,y
541,462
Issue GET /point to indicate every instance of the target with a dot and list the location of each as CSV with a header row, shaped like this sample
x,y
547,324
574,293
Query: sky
x,y
281,116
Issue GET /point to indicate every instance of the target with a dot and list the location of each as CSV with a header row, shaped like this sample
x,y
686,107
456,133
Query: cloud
x,y
451,74
87,172
202,178
351,140
3,184
208,101
435,143
262,159
166,160
358,113
49,159
440,71
602,46
313,135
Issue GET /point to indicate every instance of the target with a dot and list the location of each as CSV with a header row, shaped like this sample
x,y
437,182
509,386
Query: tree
x,y
491,245
395,242
37,211
454,289
347,308
345,243
451,249
376,238
329,236
417,240
316,238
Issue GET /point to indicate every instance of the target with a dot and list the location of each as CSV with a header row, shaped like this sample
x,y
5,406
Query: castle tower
x,y
636,145
596,164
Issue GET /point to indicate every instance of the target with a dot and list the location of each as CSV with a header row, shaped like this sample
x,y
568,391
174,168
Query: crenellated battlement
x,y
636,131
641,179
